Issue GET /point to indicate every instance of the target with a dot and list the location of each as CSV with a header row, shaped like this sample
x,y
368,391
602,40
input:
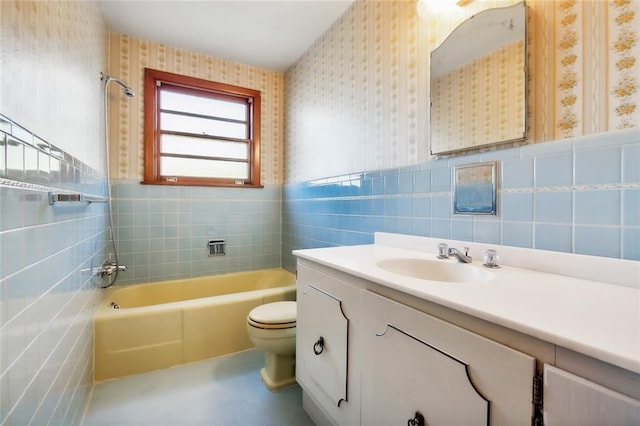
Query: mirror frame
x,y
459,31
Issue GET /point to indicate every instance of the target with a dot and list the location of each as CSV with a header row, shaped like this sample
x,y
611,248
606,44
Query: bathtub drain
x,y
115,306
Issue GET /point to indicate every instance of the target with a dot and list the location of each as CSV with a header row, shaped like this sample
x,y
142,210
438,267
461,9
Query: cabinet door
x,y
573,400
417,363
322,348
329,308
432,383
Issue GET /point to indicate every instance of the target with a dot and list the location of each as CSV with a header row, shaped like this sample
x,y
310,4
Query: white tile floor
x,y
219,392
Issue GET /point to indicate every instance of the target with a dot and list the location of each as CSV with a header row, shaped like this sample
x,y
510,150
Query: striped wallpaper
x,y
358,99
128,56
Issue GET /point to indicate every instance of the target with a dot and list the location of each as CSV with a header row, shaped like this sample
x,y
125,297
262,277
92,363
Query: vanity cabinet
x,y
418,365
364,359
328,319
573,400
387,357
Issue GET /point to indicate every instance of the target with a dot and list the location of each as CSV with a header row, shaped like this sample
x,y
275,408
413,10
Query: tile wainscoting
x,y
47,292
162,231
578,195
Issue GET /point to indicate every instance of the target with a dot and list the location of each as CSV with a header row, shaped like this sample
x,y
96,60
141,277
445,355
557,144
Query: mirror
x,y
478,82
475,189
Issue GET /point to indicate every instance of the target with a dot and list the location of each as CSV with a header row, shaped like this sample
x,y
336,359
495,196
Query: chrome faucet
x,y
108,268
445,252
464,258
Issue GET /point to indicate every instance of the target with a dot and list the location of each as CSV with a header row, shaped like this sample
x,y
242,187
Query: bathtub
x,y
166,323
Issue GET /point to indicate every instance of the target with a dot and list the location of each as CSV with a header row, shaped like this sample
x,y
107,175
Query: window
x,y
199,132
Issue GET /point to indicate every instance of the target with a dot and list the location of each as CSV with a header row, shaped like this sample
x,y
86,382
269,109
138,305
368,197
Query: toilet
x,y
272,327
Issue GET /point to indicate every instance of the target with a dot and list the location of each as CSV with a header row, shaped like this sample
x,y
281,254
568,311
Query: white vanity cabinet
x,y
573,400
418,365
328,319
549,338
364,359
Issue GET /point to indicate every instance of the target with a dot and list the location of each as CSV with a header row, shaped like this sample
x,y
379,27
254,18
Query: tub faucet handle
x,y
108,268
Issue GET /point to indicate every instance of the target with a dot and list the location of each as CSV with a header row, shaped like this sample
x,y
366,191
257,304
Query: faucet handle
x,y
108,268
443,251
490,257
466,251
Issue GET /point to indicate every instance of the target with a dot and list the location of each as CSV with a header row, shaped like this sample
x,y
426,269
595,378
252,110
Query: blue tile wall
x,y
631,164
554,206
597,240
517,173
597,207
576,195
631,207
598,166
162,231
47,292
554,170
548,236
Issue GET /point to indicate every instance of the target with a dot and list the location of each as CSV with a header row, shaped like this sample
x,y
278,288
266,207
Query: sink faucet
x,y
445,252
464,258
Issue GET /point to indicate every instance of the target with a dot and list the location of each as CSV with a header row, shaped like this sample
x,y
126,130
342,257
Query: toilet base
x,y
274,386
279,371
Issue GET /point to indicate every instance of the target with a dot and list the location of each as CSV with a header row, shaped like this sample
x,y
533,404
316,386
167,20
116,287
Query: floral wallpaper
x,y
626,54
358,99
128,56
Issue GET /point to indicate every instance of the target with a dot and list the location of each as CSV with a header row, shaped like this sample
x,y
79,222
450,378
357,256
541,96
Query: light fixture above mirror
x,y
438,6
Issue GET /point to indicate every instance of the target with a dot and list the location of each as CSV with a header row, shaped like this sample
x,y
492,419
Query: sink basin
x,y
435,270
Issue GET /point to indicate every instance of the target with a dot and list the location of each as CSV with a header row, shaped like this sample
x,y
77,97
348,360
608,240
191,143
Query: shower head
x,y
128,91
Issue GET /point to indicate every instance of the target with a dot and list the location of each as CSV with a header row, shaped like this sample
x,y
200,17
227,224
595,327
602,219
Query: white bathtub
x,y
166,323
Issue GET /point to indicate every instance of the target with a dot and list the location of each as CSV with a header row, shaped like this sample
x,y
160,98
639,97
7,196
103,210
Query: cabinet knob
x,y
418,420
318,347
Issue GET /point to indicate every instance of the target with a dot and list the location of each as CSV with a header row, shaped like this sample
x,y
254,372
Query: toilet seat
x,y
276,315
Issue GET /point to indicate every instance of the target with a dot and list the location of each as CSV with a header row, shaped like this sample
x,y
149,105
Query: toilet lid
x,y
274,313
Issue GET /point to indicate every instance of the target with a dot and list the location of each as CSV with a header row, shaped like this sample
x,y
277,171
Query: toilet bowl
x,y
272,327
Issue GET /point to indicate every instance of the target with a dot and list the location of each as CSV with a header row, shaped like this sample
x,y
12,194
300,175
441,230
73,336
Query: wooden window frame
x,y
152,82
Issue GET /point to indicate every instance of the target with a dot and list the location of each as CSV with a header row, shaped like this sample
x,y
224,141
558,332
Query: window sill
x,y
211,185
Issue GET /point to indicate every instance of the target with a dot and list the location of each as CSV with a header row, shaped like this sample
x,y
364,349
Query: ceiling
x,y
269,34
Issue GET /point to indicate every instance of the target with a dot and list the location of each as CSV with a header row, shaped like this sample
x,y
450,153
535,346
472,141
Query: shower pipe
x,y
111,269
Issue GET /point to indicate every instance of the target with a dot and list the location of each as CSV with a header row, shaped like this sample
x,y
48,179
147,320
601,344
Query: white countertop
x,y
597,319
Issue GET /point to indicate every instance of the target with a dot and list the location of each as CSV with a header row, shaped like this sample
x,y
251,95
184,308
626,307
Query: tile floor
x,y
218,392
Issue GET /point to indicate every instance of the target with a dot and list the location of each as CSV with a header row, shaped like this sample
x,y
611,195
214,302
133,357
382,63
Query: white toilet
x,y
272,327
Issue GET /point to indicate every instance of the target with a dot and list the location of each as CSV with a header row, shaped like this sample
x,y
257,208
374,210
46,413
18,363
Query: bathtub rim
x,y
105,309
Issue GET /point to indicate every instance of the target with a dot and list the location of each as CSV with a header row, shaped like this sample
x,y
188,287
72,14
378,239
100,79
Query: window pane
x,y
170,166
203,105
172,144
202,126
